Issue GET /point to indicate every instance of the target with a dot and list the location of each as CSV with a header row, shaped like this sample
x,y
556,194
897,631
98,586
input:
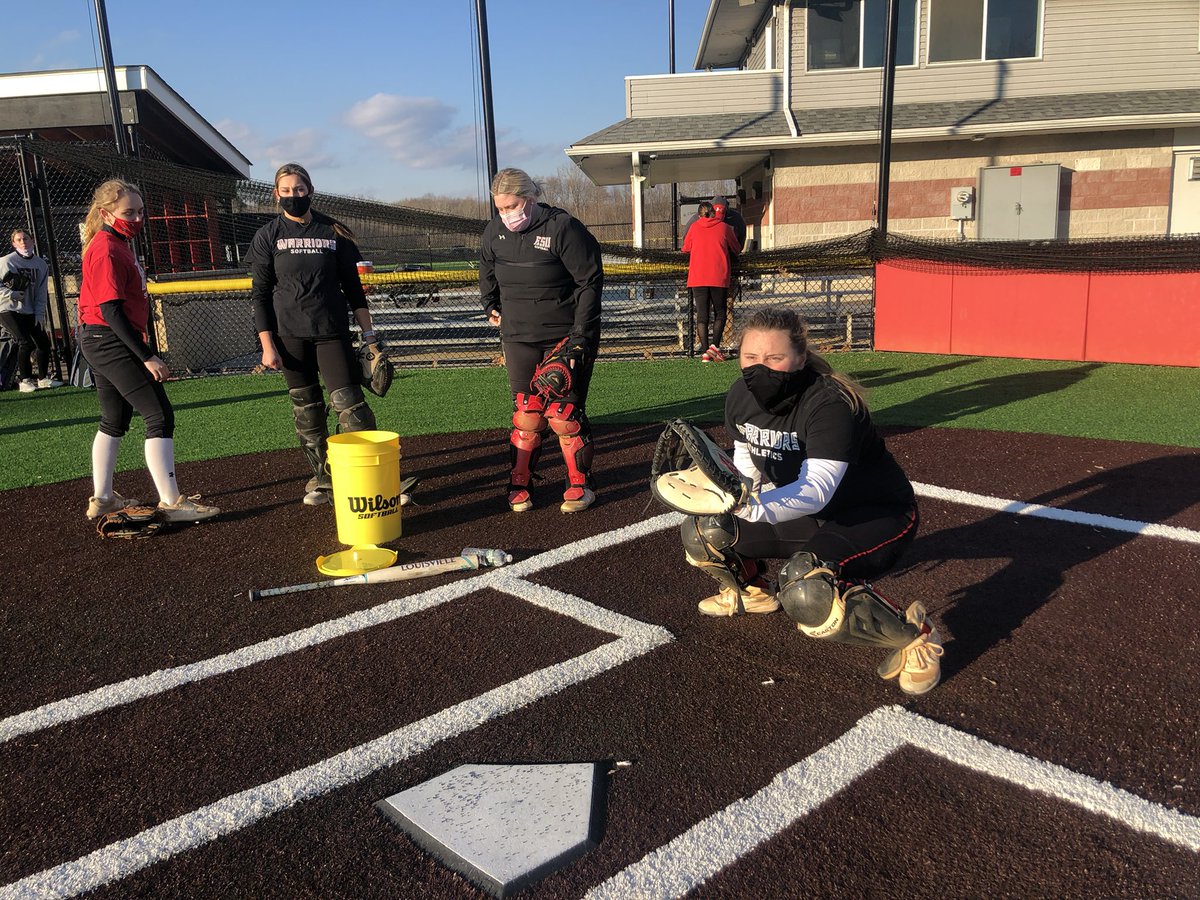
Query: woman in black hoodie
x,y
540,278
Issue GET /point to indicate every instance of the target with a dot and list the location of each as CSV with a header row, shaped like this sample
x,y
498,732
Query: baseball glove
x,y
131,522
377,369
555,376
693,475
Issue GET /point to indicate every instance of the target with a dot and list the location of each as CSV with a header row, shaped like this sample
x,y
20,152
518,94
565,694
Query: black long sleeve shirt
x,y
304,276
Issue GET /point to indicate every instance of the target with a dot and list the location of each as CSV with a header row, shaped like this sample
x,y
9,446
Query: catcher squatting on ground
x,y
693,475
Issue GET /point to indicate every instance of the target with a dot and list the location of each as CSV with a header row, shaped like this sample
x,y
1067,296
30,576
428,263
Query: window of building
x,y
852,34
983,29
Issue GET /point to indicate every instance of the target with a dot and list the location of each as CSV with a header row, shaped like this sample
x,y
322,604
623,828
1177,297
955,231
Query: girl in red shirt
x,y
114,313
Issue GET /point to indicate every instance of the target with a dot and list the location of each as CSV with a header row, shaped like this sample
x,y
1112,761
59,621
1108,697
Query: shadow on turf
x,y
1038,554
978,397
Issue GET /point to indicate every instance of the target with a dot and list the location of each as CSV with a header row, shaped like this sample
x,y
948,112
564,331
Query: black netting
x,y
424,291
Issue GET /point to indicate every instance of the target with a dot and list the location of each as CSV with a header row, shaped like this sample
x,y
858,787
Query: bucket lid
x,y
364,438
356,560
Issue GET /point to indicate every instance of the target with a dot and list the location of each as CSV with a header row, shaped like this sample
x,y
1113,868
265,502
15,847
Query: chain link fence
x,y
423,294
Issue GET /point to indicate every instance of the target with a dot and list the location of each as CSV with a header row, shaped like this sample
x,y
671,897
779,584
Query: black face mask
x,y
296,206
773,391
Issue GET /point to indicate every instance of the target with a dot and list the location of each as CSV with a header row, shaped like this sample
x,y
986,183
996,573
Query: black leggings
x,y
716,298
123,384
865,541
30,338
332,357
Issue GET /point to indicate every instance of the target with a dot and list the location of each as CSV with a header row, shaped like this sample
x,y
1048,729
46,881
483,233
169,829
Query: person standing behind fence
x,y
23,300
711,246
304,273
541,277
114,312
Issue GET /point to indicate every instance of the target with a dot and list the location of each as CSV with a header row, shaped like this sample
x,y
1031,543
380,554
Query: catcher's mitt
x,y
131,522
693,475
377,369
555,375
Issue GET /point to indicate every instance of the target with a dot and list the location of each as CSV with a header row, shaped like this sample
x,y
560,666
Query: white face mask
x,y
517,218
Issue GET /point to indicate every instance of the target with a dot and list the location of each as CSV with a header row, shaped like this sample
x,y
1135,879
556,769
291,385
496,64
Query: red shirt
x,y
110,272
710,244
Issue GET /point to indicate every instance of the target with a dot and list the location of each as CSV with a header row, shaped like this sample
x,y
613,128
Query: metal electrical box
x,y
1019,203
962,202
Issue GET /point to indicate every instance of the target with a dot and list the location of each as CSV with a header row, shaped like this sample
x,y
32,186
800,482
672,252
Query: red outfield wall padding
x,y
912,310
1034,315
1151,318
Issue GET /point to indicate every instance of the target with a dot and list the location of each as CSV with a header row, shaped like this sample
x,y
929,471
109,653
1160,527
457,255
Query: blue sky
x,y
378,99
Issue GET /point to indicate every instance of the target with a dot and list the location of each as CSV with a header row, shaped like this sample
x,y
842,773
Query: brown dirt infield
x,y
1069,644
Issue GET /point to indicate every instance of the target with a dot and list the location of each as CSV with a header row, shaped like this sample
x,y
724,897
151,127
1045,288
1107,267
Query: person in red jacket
x,y
711,246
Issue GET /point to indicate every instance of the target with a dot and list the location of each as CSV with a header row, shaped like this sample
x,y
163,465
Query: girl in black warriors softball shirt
x,y
303,269
827,496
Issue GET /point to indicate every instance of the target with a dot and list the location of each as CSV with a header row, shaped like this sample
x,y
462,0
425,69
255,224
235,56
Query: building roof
x,y
72,105
728,29
606,153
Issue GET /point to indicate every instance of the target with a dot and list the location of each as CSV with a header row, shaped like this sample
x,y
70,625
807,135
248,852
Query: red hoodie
x,y
710,243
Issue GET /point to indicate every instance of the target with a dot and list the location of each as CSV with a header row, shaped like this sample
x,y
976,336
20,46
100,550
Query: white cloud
x,y
418,132
305,146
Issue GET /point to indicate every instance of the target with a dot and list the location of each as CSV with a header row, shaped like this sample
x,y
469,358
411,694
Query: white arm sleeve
x,y
745,465
808,494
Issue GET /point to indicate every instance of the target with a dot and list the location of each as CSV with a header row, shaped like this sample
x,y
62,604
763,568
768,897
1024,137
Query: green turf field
x,y
46,436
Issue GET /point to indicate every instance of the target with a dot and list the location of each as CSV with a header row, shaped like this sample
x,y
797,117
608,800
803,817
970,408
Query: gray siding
x,y
1087,45
703,93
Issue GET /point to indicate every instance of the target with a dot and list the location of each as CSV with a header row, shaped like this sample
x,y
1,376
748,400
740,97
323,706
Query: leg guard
x,y
574,432
311,415
352,410
707,542
525,448
826,608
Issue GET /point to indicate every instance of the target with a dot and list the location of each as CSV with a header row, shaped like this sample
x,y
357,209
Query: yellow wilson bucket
x,y
365,466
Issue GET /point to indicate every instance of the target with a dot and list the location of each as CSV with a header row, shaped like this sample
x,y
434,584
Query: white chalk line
x,y
237,811
125,853
684,863
90,702
1075,517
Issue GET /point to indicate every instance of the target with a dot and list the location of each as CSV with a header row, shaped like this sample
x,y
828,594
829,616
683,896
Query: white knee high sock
x,y
104,462
160,460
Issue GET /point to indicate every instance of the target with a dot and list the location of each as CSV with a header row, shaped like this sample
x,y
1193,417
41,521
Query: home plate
x,y
503,827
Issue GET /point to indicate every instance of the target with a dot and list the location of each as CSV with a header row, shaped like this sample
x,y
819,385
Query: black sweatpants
x,y
303,358
865,542
123,384
31,339
520,359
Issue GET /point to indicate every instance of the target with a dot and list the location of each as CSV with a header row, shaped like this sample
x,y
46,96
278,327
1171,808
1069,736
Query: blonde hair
x,y
516,182
106,197
793,325
297,169
16,231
